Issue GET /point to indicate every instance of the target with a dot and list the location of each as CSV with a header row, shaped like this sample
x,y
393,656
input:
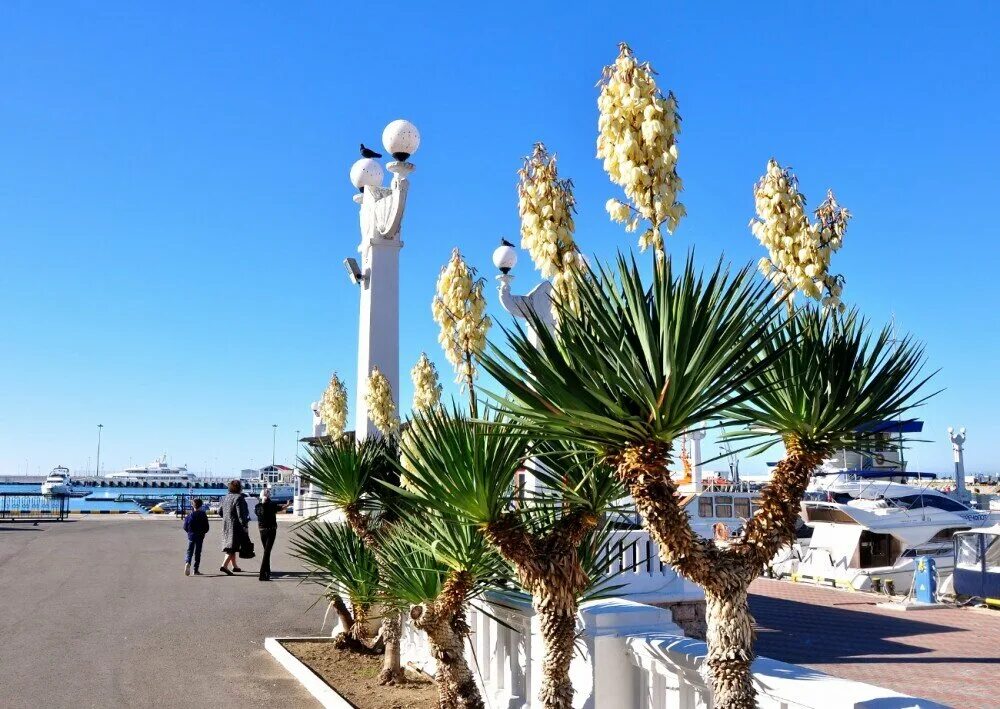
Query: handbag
x,y
246,548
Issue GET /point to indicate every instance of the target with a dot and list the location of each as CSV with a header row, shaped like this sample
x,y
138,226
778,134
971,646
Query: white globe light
x,y
366,173
504,258
401,139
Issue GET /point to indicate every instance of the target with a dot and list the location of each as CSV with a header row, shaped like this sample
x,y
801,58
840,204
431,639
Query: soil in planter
x,y
355,677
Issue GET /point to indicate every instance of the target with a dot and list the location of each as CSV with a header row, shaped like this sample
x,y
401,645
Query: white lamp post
x,y
538,301
958,449
381,218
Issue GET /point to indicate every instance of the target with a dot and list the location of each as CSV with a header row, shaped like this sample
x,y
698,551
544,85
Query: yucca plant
x,y
436,565
340,561
467,468
348,473
640,365
830,384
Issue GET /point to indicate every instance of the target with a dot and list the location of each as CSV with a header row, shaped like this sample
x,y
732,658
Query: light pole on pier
x,y
274,443
381,219
100,427
958,449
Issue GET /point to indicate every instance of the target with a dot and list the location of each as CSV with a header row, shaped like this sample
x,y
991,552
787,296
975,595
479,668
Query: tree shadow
x,y
811,633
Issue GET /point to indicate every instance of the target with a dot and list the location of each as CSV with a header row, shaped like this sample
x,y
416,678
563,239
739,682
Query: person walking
x,y
196,526
266,511
235,519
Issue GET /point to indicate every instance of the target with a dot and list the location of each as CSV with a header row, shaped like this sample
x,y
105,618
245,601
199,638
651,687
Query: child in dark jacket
x,y
196,526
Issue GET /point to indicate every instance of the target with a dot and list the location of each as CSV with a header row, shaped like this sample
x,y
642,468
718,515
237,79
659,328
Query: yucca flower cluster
x,y
381,409
798,251
460,310
637,139
333,407
426,387
546,206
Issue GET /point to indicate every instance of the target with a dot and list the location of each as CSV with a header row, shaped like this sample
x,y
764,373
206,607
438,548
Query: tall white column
x,y
696,436
378,327
958,450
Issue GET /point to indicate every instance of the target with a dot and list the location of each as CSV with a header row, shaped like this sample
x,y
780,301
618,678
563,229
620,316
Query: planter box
x,y
313,683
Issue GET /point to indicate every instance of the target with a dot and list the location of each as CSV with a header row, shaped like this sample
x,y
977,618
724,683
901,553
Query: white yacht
x,y
58,482
870,519
158,471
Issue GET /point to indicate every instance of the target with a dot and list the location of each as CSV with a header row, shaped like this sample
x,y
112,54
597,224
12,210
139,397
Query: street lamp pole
x,y
381,219
100,427
274,443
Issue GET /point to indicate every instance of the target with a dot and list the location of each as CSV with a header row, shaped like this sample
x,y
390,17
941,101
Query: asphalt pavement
x,y
96,612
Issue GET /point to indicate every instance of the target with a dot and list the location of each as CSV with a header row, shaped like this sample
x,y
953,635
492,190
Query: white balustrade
x,y
635,568
629,655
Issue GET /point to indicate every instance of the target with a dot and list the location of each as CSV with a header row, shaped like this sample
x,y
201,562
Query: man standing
x,y
196,526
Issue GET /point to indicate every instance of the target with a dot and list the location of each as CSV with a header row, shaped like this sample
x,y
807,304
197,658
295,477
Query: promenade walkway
x,y
948,655
96,612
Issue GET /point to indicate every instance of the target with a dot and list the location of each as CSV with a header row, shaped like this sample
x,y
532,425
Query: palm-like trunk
x,y
724,573
443,620
549,568
730,647
391,632
391,628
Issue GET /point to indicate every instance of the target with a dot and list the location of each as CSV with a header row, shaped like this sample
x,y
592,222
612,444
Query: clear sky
x,y
175,204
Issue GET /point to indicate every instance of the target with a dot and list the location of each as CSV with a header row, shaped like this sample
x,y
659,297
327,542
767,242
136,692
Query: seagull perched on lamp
x,y
369,153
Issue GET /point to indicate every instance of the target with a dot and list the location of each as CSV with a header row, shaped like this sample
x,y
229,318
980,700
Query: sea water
x,y
106,498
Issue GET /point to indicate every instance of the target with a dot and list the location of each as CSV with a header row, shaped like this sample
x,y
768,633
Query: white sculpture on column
x,y
381,217
319,428
696,435
538,301
958,449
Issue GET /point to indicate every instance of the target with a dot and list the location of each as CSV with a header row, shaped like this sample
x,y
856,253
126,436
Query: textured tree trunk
x,y
549,568
391,631
557,621
730,647
443,620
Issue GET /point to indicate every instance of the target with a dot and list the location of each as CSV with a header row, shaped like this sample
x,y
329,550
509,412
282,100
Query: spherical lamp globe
x,y
366,173
401,139
504,258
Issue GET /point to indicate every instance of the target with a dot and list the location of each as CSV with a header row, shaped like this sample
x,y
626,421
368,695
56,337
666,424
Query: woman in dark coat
x,y
235,520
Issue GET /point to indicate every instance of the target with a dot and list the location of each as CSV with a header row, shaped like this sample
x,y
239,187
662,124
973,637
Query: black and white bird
x,y
369,153
504,242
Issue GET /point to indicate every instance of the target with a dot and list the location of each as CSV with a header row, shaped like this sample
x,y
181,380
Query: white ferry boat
x,y
58,482
158,471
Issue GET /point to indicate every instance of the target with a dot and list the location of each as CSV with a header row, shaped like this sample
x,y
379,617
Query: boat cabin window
x,y
724,506
992,552
743,507
705,506
915,502
946,534
968,551
877,549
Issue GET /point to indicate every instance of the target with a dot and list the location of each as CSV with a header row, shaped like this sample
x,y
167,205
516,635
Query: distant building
x,y
276,474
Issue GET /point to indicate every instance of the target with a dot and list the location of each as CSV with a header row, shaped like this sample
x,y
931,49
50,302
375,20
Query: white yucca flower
x,y
426,388
381,409
546,206
333,407
637,139
798,251
460,310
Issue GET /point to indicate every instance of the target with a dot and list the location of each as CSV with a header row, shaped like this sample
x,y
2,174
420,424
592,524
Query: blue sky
x,y
175,206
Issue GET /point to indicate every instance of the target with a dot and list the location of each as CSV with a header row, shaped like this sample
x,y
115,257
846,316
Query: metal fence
x,y
33,506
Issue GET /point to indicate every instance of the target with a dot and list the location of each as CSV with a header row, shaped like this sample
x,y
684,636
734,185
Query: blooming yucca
x,y
460,310
637,139
546,206
333,407
798,251
426,388
381,409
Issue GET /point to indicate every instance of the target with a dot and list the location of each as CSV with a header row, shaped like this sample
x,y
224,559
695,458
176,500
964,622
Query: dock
x,y
949,655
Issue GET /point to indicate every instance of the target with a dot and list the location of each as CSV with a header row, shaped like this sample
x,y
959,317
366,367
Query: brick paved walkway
x,y
948,655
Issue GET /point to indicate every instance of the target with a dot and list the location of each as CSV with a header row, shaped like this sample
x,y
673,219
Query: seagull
x,y
368,153
504,242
